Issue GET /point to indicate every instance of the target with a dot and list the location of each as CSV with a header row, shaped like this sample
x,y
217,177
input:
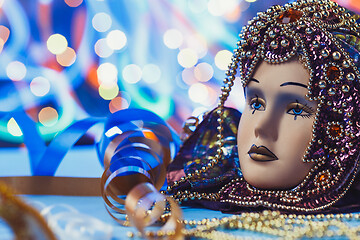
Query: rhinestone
x,y
322,84
346,64
260,24
345,88
285,43
272,34
333,73
315,44
323,178
308,31
250,54
331,91
317,15
336,55
324,53
335,130
274,44
289,16
350,76
325,14
256,39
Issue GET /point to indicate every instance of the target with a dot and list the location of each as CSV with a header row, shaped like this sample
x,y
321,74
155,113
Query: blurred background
x,y
65,60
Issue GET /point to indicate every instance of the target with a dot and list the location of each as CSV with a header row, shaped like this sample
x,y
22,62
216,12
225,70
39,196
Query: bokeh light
x,y
220,7
118,103
67,58
101,22
108,92
13,128
203,72
199,110
107,74
173,38
4,33
151,73
16,70
73,3
188,76
116,39
102,48
197,6
57,43
197,43
40,86
223,59
2,43
187,58
89,58
132,73
48,116
198,92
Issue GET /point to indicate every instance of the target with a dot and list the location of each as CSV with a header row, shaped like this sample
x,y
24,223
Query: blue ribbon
x,y
44,160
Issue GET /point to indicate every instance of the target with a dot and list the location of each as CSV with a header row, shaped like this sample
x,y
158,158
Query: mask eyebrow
x,y
294,84
254,80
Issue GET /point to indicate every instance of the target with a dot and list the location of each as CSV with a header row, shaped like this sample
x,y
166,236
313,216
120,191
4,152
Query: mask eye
x,y
257,104
298,109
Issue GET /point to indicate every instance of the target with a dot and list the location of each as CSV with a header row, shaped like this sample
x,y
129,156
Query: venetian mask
x,y
275,126
324,37
299,134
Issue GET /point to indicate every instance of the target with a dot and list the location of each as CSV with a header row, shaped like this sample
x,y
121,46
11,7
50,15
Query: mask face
x,y
276,126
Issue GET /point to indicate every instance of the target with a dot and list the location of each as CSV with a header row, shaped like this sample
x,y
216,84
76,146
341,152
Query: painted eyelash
x,y
309,111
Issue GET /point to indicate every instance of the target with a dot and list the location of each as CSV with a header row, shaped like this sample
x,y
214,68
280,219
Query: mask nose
x,y
267,125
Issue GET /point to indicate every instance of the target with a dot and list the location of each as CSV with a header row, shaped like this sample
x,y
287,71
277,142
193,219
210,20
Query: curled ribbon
x,y
136,150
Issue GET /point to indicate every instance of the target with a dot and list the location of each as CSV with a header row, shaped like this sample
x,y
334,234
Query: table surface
x,y
82,162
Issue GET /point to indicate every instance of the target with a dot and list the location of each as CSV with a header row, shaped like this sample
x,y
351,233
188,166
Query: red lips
x,y
261,154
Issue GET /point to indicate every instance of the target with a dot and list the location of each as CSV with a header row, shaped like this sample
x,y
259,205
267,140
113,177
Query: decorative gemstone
x,y
315,44
249,54
311,9
325,14
335,130
289,16
260,24
333,73
336,55
331,91
274,44
308,31
322,84
345,88
323,178
285,43
350,76
317,15
272,34
346,64
255,31
256,39
324,53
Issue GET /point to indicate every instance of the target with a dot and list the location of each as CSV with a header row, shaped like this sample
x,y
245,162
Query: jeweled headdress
x,y
325,38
